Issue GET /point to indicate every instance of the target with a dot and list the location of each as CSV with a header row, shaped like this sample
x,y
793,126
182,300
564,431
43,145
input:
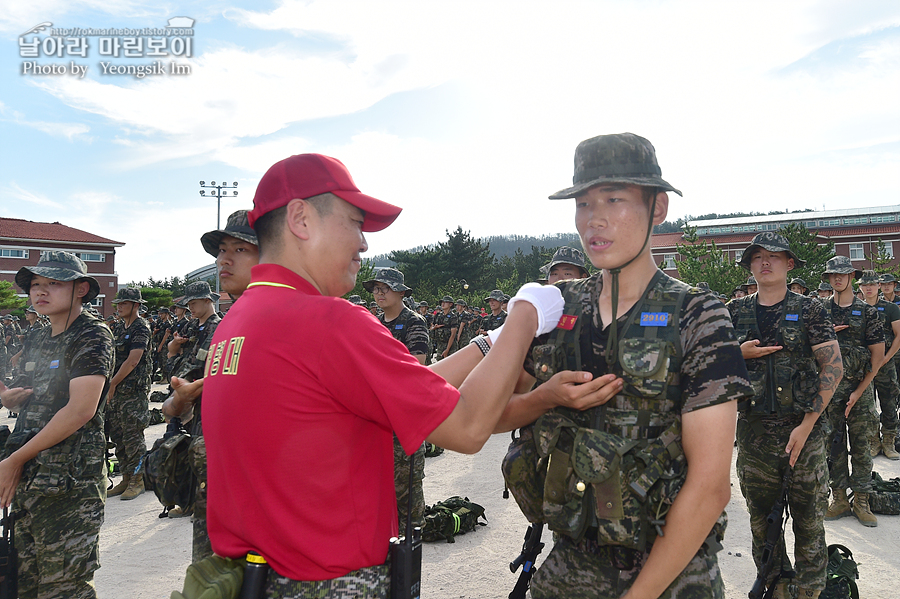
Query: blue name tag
x,y
397,327
791,316
881,309
856,313
54,364
127,336
654,319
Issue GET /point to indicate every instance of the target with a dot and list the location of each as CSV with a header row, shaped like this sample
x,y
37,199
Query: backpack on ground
x,y
451,517
167,468
432,450
156,416
885,495
841,574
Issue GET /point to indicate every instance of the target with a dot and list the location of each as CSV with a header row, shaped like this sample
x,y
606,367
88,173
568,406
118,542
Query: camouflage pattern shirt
x,y
889,314
136,336
492,322
194,356
410,329
814,318
874,332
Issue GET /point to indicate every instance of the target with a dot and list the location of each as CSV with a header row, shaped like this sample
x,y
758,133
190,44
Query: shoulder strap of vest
x,y
572,320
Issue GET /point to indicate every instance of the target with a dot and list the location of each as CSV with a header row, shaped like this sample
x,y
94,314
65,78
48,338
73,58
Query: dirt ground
x,y
144,556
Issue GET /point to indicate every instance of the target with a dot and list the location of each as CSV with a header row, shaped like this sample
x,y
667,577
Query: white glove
x,y
546,299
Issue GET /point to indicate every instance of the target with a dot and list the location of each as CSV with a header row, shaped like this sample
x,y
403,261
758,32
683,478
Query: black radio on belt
x,y
406,557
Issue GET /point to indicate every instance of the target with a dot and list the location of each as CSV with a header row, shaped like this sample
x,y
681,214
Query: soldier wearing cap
x,y
162,332
798,285
236,251
497,317
128,410
861,337
825,290
794,360
623,314
410,329
54,474
567,264
750,286
469,324
422,310
355,300
888,285
444,327
885,382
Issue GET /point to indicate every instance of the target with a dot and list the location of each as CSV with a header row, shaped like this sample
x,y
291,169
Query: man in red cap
x,y
314,494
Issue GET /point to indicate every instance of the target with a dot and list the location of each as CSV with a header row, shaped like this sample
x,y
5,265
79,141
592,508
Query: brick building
x,y
22,241
855,233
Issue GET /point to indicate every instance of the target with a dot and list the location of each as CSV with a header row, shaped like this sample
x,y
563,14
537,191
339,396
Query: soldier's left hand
x,y
577,390
10,473
854,397
15,397
796,442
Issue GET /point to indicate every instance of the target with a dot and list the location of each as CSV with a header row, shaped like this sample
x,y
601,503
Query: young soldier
x,y
567,264
750,286
795,364
886,379
497,317
129,407
55,472
410,329
797,285
861,337
678,371
444,326
888,285
236,251
468,324
825,290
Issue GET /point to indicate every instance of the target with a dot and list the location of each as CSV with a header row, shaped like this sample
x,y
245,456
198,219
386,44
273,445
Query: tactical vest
x,y
608,474
855,354
888,330
787,381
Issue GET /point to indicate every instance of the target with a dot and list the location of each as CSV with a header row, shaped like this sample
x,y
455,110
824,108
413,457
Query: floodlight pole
x,y
216,191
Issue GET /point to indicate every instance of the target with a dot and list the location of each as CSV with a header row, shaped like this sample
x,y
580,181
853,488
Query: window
x,y
856,251
883,219
668,262
738,254
831,223
97,302
856,221
810,224
88,257
8,253
889,249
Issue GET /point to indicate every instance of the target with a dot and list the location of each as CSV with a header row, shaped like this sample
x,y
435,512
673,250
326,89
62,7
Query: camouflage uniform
x,y
441,335
468,326
582,566
491,322
128,412
62,490
865,330
765,424
885,382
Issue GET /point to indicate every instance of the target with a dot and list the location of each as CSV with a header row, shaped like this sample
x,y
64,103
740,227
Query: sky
x,y
463,113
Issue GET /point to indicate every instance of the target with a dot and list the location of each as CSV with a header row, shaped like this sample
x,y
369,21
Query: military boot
x,y
781,590
888,447
840,506
861,510
874,444
807,593
135,487
119,488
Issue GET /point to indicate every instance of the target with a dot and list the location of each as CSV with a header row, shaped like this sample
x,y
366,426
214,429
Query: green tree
x,y
462,257
806,246
881,260
8,298
366,272
156,297
702,261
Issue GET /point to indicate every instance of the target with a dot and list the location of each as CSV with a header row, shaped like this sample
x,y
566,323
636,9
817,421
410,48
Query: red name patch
x,y
567,322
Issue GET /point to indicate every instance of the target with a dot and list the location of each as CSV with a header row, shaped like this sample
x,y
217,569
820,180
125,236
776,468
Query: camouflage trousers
x,y
202,547
859,425
573,573
57,539
128,414
366,583
402,463
888,390
761,462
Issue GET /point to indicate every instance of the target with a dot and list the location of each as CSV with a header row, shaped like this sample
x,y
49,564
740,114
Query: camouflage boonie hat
x,y
840,265
703,286
59,266
129,294
506,297
165,311
199,290
868,278
618,158
423,304
181,304
31,309
355,299
391,277
887,278
773,242
496,294
823,286
236,226
565,255
799,281
373,304
446,298
462,302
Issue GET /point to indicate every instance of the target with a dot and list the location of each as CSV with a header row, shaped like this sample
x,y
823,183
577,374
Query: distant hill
x,y
506,245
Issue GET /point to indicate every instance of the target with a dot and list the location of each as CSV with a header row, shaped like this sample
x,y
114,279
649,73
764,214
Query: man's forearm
x,y
831,370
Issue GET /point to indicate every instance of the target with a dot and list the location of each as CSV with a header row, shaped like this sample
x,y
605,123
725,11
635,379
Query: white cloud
x,y
20,193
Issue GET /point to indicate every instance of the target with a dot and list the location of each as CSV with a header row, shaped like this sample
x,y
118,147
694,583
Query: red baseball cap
x,y
306,175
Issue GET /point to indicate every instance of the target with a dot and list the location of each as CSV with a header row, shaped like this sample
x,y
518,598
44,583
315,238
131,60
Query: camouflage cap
x,y
446,298
31,309
165,311
237,226
59,266
773,242
703,286
373,304
799,281
823,286
565,255
496,294
423,304
618,158
462,302
181,304
868,278
199,290
840,265
129,294
391,277
6,317
506,297
355,299
887,278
